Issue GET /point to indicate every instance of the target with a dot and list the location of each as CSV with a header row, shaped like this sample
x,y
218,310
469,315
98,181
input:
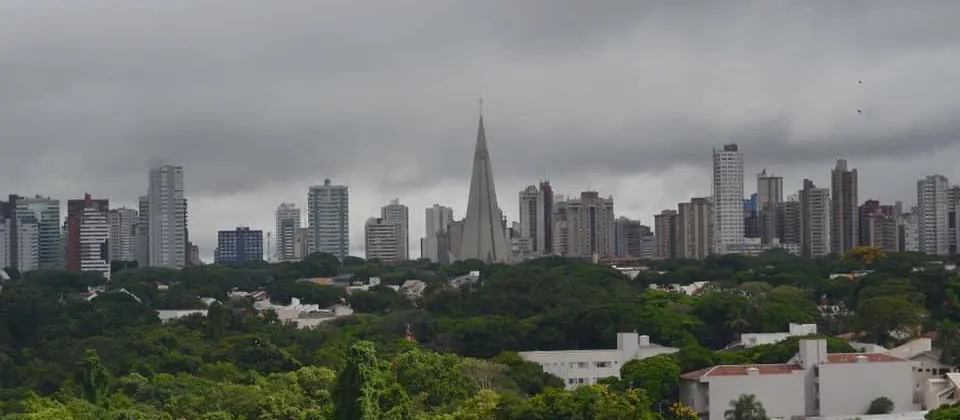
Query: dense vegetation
x,y
64,357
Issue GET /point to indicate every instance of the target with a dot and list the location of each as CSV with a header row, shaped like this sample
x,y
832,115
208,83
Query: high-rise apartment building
x,y
844,230
695,229
666,227
814,220
789,226
910,231
123,234
8,212
727,198
88,235
590,225
399,214
28,243
166,217
437,220
5,242
301,243
528,200
932,215
953,199
239,246
288,220
878,226
561,228
46,212
382,240
328,213
143,231
536,217
769,197
484,236
633,239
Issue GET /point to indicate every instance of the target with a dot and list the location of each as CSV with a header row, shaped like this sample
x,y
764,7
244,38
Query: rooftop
x,y
741,370
782,368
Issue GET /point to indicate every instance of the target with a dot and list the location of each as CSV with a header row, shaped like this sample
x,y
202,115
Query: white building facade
x,y
727,198
437,221
819,384
166,217
587,367
288,218
28,244
399,214
328,214
94,239
932,216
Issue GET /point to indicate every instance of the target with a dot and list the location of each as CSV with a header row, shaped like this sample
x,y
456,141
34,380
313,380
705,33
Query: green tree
x,y
746,407
882,405
356,395
657,375
92,378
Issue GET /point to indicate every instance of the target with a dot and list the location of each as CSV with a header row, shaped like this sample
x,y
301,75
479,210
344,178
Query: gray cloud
x,y
261,99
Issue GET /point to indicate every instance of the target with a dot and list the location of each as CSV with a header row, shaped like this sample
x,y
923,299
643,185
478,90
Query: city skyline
x,y
619,103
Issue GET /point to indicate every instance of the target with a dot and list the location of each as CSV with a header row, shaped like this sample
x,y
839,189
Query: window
x,y
601,364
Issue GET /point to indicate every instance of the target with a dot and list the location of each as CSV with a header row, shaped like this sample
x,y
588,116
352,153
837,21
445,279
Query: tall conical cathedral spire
x,y
483,234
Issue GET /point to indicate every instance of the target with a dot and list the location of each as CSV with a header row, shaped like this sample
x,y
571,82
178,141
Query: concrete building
x,y
789,226
932,216
436,223
695,229
632,239
561,228
399,214
143,231
814,220
238,246
751,217
953,199
844,230
910,231
727,197
590,225
878,226
586,367
288,220
536,217
748,340
666,226
818,384
166,217
45,211
301,243
88,235
123,234
28,243
328,214
5,243
483,234
382,240
769,197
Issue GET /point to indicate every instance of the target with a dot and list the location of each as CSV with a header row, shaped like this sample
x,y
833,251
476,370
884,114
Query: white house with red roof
x,y
818,384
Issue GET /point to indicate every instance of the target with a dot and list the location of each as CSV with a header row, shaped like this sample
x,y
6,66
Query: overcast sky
x,y
258,100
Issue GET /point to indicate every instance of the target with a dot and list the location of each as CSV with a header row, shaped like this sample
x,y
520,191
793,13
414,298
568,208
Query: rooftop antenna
x,y
480,101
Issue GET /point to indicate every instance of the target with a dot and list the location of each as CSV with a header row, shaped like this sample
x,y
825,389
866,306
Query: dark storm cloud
x,y
252,93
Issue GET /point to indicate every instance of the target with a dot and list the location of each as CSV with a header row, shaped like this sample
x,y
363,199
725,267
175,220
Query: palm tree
x,y
746,408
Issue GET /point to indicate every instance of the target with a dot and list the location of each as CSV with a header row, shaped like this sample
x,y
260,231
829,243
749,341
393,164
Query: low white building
x,y
818,384
586,367
758,339
304,315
